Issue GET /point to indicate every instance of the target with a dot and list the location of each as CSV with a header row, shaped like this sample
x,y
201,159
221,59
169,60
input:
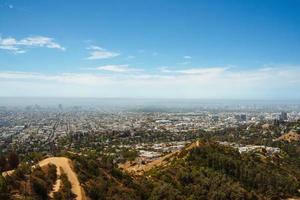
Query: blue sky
x,y
151,49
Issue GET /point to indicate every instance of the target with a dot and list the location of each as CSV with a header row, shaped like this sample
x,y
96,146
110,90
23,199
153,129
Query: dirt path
x,y
65,164
7,173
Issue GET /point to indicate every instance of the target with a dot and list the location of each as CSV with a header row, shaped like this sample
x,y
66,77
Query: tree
x,y
165,191
39,186
3,163
65,192
3,188
13,160
52,172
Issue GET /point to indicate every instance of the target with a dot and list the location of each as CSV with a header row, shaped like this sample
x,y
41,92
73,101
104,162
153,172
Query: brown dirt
x,y
66,165
289,137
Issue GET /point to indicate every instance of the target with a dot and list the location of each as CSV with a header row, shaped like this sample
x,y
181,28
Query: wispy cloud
x,y
187,57
205,82
210,70
97,52
20,46
119,69
195,71
164,69
70,78
114,68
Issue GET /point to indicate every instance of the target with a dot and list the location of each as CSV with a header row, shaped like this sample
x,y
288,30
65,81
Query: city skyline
x,y
152,49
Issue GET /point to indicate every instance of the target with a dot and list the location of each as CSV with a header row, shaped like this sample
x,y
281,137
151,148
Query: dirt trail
x,y
65,164
8,173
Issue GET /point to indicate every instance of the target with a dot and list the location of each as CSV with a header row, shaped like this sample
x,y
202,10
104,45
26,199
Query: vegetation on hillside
x,y
65,190
209,171
29,183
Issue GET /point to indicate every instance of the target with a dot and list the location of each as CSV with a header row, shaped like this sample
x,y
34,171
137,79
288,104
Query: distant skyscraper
x,y
283,116
243,117
215,118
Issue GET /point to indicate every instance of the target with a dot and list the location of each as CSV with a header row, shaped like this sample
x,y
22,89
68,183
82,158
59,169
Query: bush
x,y
39,186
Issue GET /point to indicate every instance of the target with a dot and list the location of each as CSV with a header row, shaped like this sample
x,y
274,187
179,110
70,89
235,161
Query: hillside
x,y
216,172
290,136
207,170
64,165
204,171
46,179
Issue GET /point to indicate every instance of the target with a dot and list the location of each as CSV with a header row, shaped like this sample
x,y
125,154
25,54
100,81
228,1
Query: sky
x,y
206,49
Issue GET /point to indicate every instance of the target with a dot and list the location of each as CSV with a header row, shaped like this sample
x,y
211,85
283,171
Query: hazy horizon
x,y
141,102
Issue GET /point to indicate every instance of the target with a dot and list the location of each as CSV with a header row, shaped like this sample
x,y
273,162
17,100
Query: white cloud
x,y
40,41
118,68
19,46
100,53
211,70
93,47
69,78
216,82
13,49
114,68
196,71
187,57
165,69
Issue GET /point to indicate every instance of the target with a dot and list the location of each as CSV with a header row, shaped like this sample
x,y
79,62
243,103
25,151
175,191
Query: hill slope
x,y
65,165
208,170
